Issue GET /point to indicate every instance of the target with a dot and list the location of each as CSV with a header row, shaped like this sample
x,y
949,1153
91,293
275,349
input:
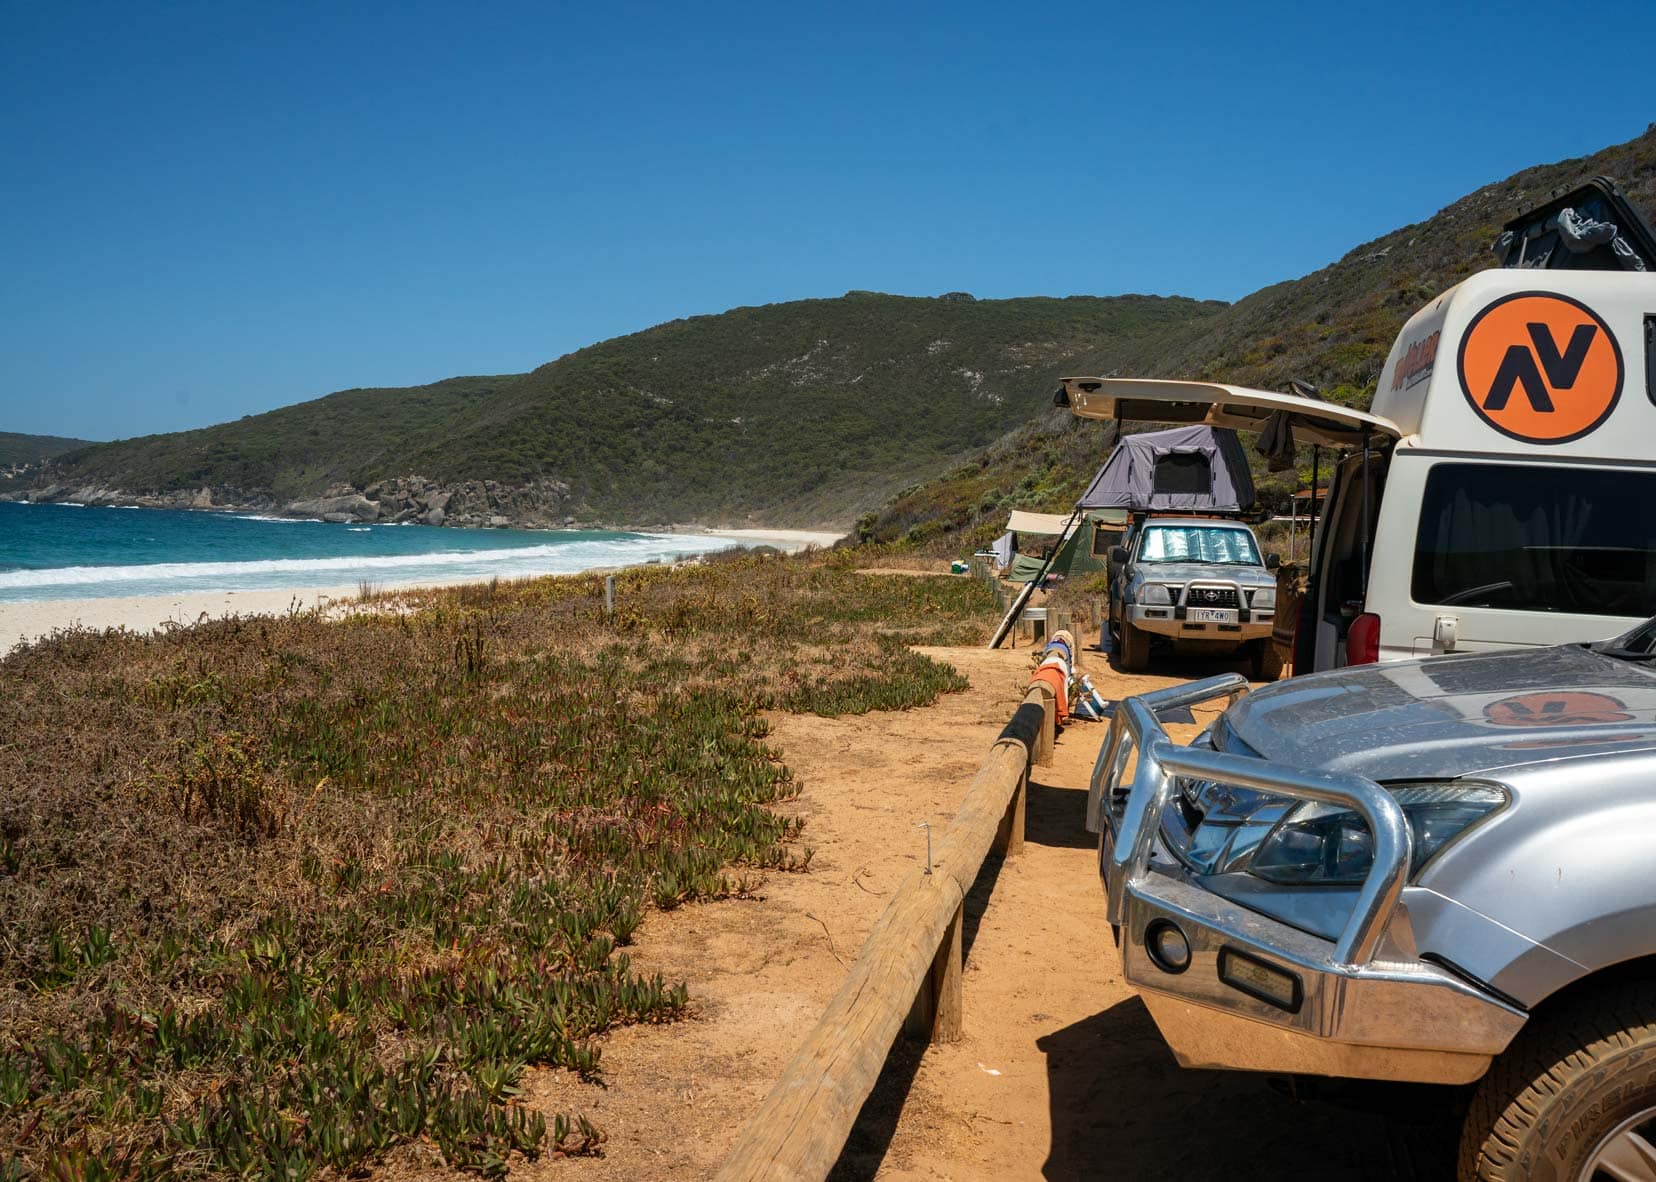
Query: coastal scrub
x,y
280,895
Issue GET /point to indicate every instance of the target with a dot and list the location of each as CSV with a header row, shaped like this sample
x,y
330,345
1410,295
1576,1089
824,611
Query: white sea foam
x,y
507,562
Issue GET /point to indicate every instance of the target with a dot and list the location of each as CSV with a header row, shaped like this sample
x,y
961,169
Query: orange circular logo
x,y
1540,367
1560,708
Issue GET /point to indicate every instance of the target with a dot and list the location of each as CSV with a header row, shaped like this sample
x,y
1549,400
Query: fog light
x,y
1167,946
1259,979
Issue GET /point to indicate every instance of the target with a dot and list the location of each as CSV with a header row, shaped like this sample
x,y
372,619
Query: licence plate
x,y
1211,615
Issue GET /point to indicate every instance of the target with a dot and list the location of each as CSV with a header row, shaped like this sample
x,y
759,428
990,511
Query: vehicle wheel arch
x,y
1633,969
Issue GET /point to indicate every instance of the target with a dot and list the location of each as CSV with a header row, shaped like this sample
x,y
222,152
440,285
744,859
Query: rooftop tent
x,y
1185,468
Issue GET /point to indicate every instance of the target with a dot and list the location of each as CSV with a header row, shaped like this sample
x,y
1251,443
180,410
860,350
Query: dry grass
x,y
278,895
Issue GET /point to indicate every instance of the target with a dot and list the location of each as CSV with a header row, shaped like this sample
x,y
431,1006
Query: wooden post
x,y
937,1012
1009,839
949,1018
914,951
1049,725
922,1015
609,597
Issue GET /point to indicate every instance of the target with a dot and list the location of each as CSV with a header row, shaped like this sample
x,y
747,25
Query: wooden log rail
x,y
907,977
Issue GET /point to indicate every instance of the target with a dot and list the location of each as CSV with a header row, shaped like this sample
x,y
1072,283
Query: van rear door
x,y
1238,407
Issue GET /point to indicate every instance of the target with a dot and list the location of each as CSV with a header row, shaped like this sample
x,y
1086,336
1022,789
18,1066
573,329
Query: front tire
x,y
1573,1099
1264,660
1135,649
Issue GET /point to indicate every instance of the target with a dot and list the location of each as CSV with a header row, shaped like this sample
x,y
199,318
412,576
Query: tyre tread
x,y
1548,1056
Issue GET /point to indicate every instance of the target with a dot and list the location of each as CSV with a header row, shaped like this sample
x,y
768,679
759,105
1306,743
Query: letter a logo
x,y
1540,367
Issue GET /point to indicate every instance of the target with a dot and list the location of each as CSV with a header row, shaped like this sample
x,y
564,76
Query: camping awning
x,y
1047,524
1220,405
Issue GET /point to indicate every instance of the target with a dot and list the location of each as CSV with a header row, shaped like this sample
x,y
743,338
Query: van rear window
x,y
1543,538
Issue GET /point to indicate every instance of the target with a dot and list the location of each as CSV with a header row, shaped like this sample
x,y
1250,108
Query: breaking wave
x,y
275,573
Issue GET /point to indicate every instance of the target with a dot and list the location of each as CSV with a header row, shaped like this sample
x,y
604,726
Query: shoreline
x,y
28,620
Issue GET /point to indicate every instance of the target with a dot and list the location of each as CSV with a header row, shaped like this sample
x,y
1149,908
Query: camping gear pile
x,y
1059,545
1073,696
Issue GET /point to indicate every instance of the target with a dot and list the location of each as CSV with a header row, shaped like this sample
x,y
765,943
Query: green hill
x,y
17,451
818,410
794,413
1332,328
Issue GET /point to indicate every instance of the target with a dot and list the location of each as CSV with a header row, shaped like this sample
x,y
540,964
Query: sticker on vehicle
x,y
1557,708
1415,366
1540,367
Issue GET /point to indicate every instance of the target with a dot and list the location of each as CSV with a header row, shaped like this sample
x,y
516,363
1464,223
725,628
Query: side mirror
x,y
1118,555
1272,561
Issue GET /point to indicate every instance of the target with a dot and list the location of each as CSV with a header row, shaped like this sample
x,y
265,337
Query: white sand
x,y
32,619
782,539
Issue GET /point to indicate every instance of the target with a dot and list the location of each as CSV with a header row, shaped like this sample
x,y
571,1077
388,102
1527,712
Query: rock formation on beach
x,y
540,504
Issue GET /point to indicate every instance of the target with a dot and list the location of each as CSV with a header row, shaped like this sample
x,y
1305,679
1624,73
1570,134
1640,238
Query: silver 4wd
x,y
1437,871
1198,585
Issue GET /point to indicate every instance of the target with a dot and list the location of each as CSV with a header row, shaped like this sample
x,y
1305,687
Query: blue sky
x,y
211,209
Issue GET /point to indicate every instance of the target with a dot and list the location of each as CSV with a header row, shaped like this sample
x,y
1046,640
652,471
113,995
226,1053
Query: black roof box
x,y
1592,228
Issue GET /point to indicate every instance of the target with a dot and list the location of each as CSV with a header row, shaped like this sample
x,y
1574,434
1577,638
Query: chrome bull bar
x,y
1126,843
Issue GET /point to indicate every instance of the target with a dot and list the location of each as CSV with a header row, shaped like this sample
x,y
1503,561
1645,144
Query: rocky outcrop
x,y
340,503
482,504
94,494
541,504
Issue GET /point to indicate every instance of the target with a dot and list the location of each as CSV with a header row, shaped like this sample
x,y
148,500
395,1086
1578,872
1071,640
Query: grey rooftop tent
x,y
1197,468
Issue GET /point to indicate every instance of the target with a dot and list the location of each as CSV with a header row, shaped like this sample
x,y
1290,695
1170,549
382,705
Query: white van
x,y
1503,490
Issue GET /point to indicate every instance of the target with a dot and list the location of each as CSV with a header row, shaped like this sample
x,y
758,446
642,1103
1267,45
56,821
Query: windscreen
x,y
1198,543
1540,538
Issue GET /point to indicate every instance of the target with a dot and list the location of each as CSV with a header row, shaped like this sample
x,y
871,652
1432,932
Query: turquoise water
x,y
83,552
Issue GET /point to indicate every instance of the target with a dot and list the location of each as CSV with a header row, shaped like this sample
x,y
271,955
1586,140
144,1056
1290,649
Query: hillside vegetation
x,y
1333,328
795,413
816,411
19,450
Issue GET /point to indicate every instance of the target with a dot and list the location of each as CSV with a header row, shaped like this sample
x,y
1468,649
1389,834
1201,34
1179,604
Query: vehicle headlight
x,y
1321,844
1264,597
1155,594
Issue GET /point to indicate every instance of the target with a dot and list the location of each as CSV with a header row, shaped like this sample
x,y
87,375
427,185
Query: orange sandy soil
x,y
1061,1074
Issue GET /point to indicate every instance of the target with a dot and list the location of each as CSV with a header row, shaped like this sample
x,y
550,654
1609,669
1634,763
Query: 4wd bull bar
x,y
1135,727
1352,1012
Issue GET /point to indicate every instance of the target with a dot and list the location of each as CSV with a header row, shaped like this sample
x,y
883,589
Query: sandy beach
x,y
28,620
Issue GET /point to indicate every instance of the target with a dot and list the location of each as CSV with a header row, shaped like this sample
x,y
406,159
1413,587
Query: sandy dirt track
x,y
1061,1074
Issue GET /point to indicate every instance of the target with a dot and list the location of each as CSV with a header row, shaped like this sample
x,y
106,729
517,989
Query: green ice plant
x,y
283,894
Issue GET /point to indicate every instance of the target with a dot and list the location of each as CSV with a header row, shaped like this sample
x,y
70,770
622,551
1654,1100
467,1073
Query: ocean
x,y
87,552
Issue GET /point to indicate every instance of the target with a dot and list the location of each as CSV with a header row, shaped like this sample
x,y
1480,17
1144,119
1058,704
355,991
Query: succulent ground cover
x,y
278,895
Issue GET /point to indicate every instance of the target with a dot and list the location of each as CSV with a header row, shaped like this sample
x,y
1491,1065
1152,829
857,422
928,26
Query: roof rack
x,y
1591,228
